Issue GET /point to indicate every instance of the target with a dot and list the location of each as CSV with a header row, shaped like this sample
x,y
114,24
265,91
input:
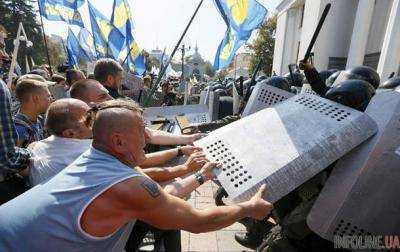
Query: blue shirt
x,y
28,131
12,159
47,217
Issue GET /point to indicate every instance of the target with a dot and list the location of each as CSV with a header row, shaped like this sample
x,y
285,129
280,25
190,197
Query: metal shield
x,y
264,96
306,88
237,100
284,145
194,113
213,106
204,95
361,196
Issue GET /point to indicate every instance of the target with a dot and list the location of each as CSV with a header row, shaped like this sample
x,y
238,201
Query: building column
x,y
390,55
279,49
361,28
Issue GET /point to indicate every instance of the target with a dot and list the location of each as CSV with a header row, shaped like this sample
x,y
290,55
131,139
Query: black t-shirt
x,y
169,99
113,92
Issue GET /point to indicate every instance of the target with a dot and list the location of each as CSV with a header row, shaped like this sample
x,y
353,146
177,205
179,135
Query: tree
x,y
208,69
221,75
56,51
263,46
12,12
151,61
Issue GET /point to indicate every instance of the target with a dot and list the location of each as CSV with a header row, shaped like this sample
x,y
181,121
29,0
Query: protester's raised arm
x,y
144,199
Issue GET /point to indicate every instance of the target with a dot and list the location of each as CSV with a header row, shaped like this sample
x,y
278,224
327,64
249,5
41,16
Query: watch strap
x,y
200,178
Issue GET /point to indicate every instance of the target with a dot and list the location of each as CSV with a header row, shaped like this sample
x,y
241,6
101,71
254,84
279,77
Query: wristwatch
x,y
199,177
180,153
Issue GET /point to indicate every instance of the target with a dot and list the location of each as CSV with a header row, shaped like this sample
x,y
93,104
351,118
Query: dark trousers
x,y
165,240
11,188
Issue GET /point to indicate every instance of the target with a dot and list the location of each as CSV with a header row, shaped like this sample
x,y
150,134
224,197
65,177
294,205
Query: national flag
x,y
122,19
62,10
242,17
108,40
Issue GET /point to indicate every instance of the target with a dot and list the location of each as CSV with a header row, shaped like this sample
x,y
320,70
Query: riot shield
x,y
306,88
213,106
264,96
204,97
194,113
237,100
284,145
361,195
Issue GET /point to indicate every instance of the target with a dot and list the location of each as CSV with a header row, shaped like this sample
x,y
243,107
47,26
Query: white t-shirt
x,y
53,154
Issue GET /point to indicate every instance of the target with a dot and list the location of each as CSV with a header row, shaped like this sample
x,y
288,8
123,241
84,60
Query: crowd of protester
x,y
73,167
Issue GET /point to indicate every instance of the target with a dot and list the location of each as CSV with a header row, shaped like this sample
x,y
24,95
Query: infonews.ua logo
x,y
367,242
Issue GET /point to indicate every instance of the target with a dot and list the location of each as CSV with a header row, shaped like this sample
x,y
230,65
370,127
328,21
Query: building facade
x,y
194,66
356,32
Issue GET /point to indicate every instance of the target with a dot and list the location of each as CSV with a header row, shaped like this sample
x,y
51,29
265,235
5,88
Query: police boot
x,y
254,235
276,241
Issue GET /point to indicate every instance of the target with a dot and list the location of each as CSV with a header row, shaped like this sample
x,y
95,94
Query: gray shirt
x,y
48,217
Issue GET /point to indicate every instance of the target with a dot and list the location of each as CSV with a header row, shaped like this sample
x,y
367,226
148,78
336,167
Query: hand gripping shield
x,y
264,96
361,196
285,145
306,88
194,113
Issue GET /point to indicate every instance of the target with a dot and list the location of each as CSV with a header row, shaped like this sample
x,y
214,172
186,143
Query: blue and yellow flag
x,y
74,50
108,40
122,20
242,17
86,42
62,10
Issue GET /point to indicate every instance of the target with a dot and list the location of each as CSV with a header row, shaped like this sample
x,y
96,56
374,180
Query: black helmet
x,y
352,93
261,78
247,84
362,73
297,79
324,75
278,82
220,92
392,83
229,85
332,78
217,86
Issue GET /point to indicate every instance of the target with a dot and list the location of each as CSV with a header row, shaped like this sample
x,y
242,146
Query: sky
x,y
159,23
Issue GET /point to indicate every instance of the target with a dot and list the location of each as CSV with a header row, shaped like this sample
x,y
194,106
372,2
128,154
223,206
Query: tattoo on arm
x,y
151,187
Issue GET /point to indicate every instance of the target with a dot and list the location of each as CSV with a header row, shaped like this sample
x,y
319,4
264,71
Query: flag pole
x,y
164,69
126,58
45,41
66,52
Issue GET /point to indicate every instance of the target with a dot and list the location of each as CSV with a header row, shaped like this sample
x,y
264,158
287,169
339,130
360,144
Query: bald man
x,y
92,92
70,137
87,205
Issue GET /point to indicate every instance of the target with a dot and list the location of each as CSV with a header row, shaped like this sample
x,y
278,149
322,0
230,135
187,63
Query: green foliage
x,y
56,51
208,69
221,75
12,12
263,46
151,61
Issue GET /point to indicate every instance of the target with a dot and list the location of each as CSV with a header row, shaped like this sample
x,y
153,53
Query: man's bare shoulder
x,y
139,189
